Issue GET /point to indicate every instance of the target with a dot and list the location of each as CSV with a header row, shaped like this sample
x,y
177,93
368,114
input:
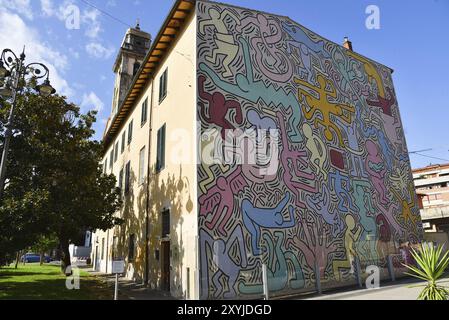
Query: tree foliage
x,y
55,182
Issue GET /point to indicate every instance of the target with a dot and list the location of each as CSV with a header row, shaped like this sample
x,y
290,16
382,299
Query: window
x,y
160,161
144,114
163,86
130,132
142,166
116,152
165,223
123,141
102,249
111,159
131,247
127,177
120,181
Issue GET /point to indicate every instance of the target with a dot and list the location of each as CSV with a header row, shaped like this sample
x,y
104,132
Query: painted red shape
x,y
337,159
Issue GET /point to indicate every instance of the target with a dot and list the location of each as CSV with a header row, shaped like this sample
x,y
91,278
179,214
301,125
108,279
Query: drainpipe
x,y
148,204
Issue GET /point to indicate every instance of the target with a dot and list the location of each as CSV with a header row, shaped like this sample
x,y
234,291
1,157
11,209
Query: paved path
x,y
129,290
400,290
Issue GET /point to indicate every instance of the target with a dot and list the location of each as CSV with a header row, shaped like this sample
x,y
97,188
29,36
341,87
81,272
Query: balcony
x,y
435,213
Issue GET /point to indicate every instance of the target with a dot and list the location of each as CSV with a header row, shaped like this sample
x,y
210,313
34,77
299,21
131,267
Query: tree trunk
x,y
42,259
65,261
17,259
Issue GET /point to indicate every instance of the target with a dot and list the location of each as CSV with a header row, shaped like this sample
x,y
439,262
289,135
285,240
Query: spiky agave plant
x,y
431,266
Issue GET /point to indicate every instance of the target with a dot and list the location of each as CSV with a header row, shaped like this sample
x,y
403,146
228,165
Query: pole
x,y
116,287
265,282
8,133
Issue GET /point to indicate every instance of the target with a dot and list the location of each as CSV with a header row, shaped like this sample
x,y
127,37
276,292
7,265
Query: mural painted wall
x,y
341,188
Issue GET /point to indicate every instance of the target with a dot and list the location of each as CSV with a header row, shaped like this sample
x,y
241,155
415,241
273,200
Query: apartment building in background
x,y
329,193
432,188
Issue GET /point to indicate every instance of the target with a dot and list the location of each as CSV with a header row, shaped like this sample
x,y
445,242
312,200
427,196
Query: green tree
x,y
55,164
44,244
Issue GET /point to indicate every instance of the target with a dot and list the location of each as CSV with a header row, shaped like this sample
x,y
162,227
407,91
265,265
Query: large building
x,y
432,187
245,139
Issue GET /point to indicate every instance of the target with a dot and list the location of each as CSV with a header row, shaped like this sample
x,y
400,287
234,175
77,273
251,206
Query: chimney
x,y
347,44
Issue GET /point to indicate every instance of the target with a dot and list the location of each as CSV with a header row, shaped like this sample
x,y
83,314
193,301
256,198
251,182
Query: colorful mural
x,y
342,188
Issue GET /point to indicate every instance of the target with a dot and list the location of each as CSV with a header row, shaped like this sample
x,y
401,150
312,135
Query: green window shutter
x,y
163,147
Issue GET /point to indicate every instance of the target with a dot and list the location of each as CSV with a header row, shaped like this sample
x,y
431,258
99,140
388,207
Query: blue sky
x,y
412,39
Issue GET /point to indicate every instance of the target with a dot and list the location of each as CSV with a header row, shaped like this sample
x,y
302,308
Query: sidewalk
x,y
129,290
399,290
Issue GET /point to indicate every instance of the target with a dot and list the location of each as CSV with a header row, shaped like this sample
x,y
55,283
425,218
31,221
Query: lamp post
x,y
13,72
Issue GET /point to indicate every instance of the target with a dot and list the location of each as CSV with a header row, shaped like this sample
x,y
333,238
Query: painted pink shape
x,y
220,198
294,157
377,177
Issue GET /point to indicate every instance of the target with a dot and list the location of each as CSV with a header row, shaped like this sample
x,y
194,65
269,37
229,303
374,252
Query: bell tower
x,y
132,52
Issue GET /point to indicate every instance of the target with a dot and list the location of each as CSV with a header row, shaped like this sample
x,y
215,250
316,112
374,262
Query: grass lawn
x,y
35,282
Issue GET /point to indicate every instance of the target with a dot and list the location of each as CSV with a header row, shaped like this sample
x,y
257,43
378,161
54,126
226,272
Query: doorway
x,y
165,265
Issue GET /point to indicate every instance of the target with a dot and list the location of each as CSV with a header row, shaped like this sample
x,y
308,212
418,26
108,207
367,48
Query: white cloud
x,y
93,25
22,7
47,8
15,33
97,50
91,101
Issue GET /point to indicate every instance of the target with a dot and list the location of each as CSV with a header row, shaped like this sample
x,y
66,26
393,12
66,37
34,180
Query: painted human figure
x,y
266,48
220,198
375,167
352,235
320,203
367,213
228,269
307,49
278,275
256,218
293,161
219,108
224,40
265,170
324,106
370,70
248,88
341,185
318,150
385,104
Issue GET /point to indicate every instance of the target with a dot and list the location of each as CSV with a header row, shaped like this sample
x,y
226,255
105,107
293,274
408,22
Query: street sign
x,y
118,266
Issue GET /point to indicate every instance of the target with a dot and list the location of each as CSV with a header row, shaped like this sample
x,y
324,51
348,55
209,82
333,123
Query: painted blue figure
x,y
256,218
367,244
277,265
301,38
227,267
253,90
355,153
370,131
320,203
340,184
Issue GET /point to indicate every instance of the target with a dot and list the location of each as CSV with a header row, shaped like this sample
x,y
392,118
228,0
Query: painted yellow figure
x,y
325,91
406,206
224,40
371,71
317,148
351,238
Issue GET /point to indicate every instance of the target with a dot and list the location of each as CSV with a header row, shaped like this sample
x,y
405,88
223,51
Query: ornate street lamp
x,y
13,73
